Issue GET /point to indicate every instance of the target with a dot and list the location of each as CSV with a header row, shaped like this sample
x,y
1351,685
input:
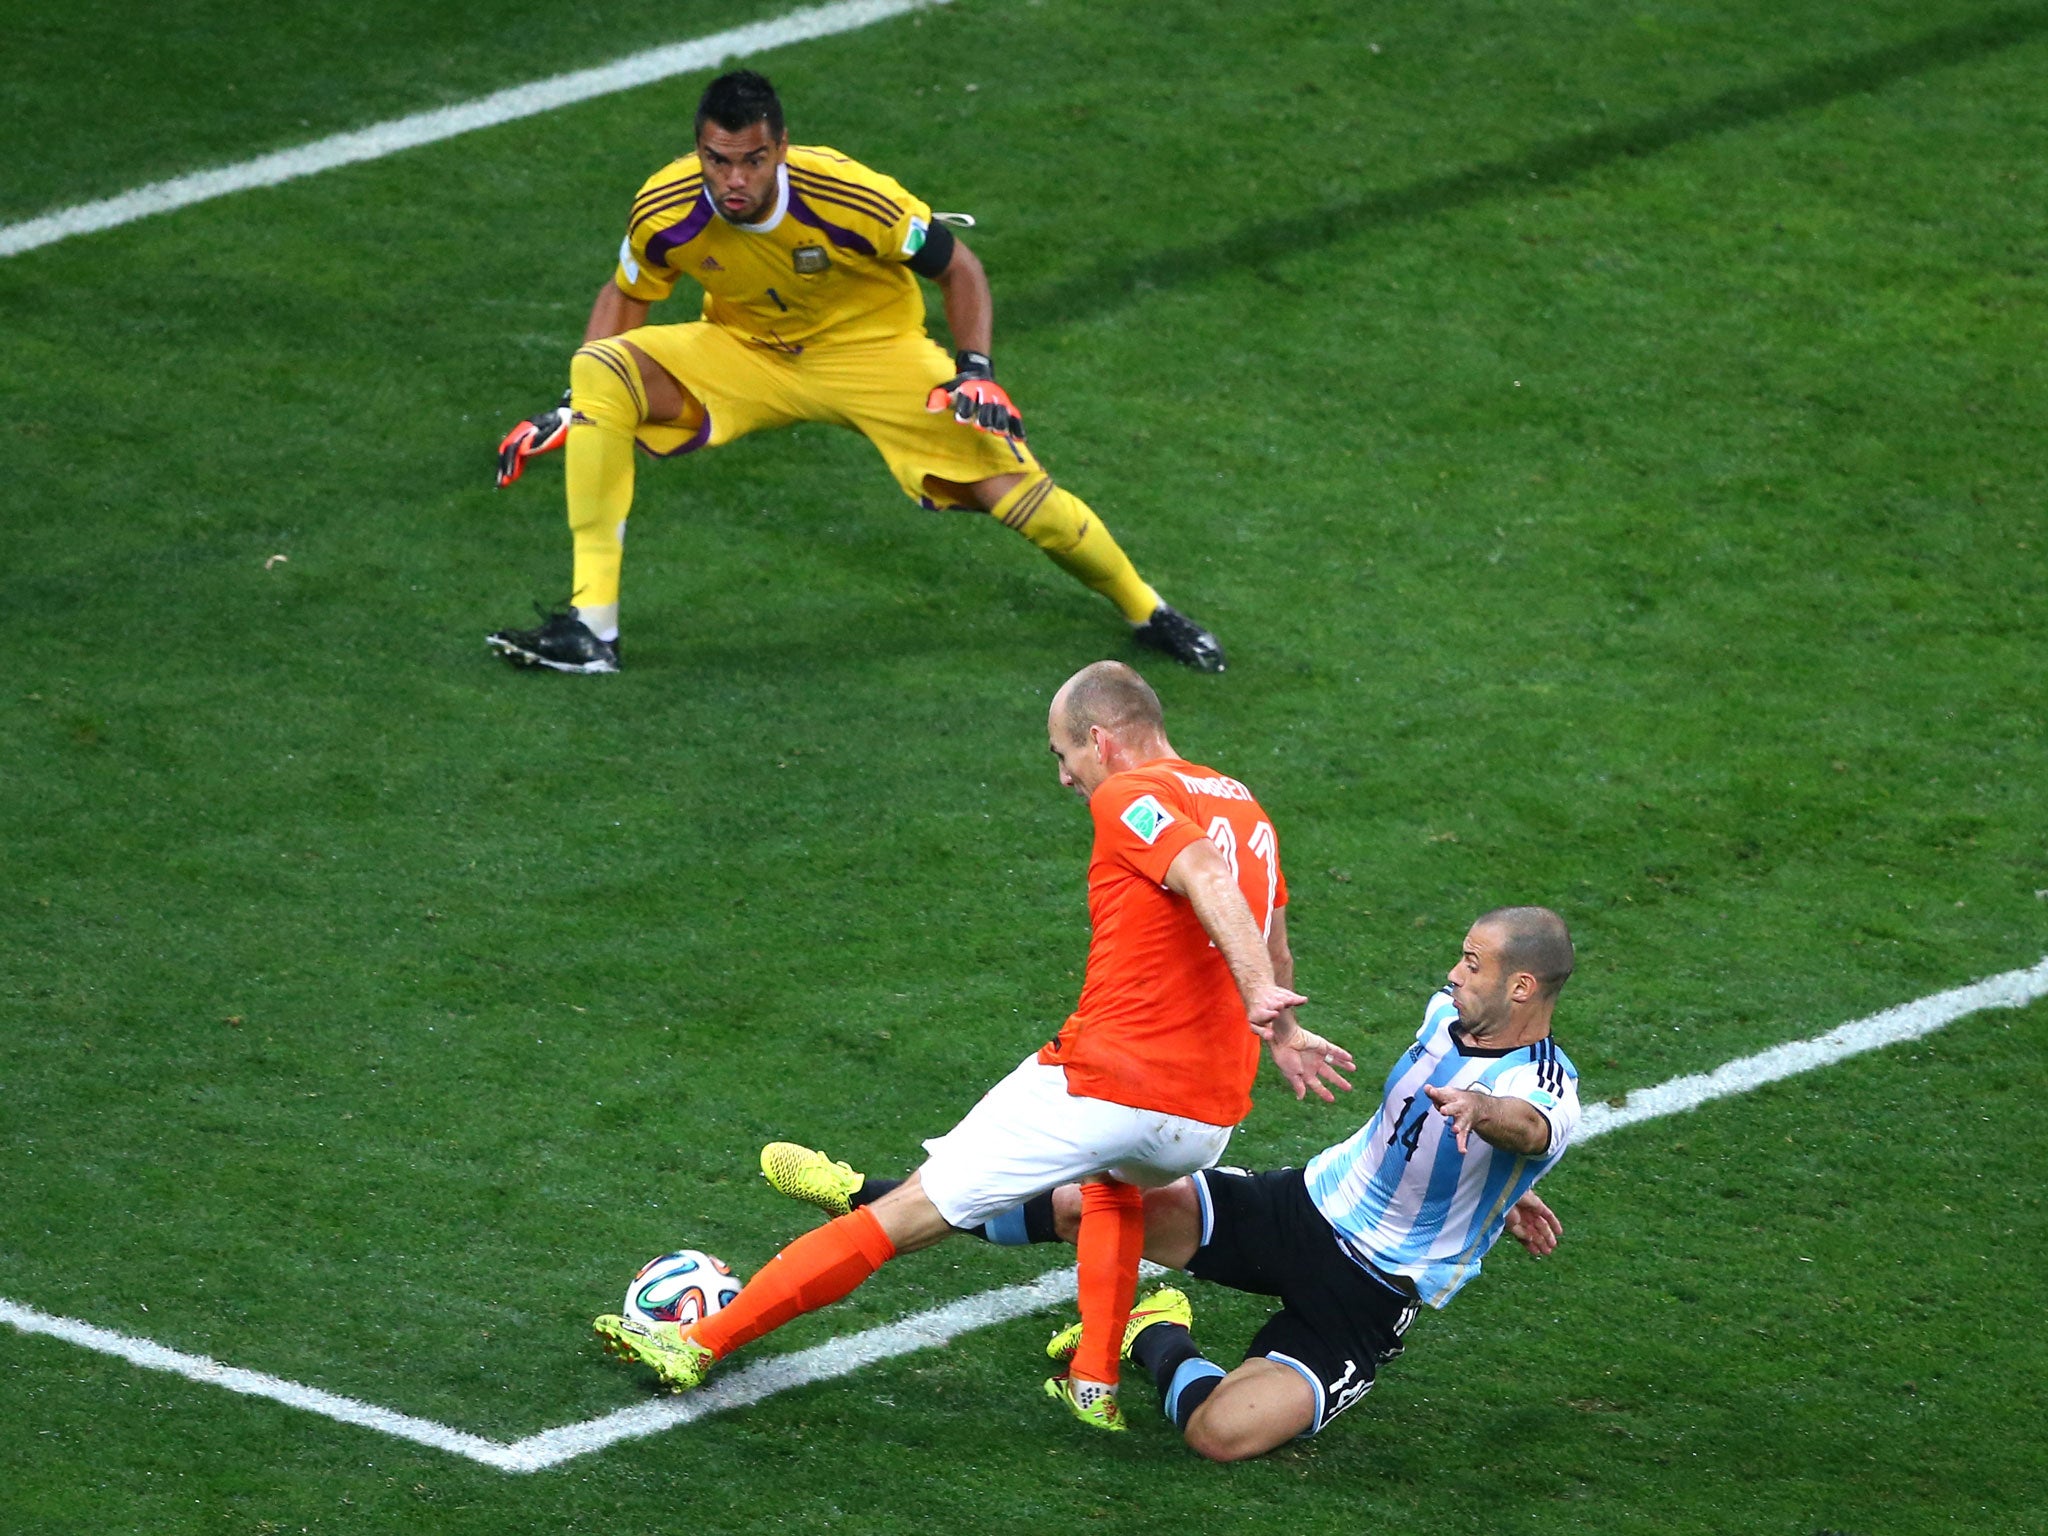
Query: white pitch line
x,y
840,1357
1908,1021
925,1330
156,1357
536,1453
402,133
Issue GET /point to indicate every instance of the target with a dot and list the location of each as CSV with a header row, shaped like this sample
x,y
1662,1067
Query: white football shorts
x,y
1029,1134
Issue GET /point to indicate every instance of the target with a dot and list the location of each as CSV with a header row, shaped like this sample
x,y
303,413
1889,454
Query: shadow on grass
x,y
1114,282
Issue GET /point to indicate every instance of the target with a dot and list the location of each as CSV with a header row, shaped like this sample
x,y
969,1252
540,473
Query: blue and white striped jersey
x,y
1398,1193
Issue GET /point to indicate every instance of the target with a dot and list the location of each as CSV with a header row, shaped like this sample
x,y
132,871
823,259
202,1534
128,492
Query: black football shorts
x,y
1339,1320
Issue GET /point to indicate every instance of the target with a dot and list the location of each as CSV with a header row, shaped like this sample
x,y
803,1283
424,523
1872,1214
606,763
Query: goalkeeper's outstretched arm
x,y
970,307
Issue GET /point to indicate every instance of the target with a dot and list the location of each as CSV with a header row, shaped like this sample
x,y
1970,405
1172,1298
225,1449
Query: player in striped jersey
x,y
1474,1112
1480,1107
809,265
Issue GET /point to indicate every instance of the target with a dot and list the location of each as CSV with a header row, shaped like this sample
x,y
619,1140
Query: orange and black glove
x,y
537,434
976,399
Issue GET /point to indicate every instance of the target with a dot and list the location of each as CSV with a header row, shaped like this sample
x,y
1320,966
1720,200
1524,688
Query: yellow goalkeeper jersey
x,y
826,263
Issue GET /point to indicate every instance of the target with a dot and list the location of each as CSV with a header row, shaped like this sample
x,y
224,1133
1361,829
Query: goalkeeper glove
x,y
537,434
976,399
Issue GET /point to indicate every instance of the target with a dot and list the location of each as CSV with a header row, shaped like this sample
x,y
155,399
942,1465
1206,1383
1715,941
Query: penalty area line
x,y
506,106
927,1330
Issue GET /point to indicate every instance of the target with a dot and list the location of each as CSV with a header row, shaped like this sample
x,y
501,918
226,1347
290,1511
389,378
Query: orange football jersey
x,y
1160,1024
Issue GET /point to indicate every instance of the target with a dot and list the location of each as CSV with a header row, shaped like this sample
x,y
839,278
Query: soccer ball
x,y
682,1287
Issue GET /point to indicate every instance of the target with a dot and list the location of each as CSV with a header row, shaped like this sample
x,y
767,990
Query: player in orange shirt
x,y
1160,1025
1188,964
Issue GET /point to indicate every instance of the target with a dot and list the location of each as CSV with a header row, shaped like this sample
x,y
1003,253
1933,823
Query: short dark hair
x,y
1113,696
1534,939
740,99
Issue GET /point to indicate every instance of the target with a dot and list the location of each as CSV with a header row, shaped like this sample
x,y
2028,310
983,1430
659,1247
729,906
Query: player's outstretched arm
x,y
614,312
970,305
1308,1061
1534,1225
1513,1125
1303,1058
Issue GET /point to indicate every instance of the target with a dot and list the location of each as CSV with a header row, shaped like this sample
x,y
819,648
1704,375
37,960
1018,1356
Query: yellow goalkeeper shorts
x,y
877,388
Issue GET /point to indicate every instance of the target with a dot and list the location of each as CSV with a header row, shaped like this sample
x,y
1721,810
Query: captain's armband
x,y
934,252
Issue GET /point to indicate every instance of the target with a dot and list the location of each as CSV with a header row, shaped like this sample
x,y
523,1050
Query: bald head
x,y
1535,940
1104,720
1113,696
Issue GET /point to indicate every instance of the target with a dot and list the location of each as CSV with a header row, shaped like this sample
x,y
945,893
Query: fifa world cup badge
x,y
810,259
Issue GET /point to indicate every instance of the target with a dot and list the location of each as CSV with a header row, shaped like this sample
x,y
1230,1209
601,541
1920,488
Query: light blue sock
x,y
1006,1228
1192,1384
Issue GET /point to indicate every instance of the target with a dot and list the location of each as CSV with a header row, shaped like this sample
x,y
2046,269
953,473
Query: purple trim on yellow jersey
x,y
803,213
655,210
835,201
680,234
664,196
702,437
850,193
861,187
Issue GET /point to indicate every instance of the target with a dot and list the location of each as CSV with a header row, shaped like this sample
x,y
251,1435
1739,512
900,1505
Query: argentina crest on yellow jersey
x,y
825,262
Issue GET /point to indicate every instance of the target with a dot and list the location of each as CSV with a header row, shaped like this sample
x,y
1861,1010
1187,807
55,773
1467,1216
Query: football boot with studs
x,y
1180,637
561,643
1165,1305
1091,1402
680,1361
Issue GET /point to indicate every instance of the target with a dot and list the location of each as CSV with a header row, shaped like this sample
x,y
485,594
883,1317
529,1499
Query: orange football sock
x,y
812,1272
1112,1241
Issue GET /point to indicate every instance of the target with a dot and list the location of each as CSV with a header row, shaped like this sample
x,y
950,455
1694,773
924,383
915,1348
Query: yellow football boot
x,y
681,1362
1165,1305
812,1177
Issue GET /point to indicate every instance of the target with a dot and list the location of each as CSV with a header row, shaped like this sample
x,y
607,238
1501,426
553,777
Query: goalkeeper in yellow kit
x,y
811,313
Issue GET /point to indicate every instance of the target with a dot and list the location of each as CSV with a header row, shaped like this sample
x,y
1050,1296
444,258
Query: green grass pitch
x,y
1609,441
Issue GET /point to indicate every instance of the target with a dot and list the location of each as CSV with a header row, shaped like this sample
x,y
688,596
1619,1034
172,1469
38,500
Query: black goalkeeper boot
x,y
563,643
1181,638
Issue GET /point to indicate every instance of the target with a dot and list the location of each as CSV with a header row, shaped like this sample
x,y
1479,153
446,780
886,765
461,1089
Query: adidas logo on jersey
x,y
710,264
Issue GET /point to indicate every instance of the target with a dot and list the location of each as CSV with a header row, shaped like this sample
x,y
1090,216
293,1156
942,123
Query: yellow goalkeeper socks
x,y
606,406
1067,529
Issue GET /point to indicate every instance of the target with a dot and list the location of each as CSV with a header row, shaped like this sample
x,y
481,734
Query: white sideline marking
x,y
504,106
1908,1021
840,1357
